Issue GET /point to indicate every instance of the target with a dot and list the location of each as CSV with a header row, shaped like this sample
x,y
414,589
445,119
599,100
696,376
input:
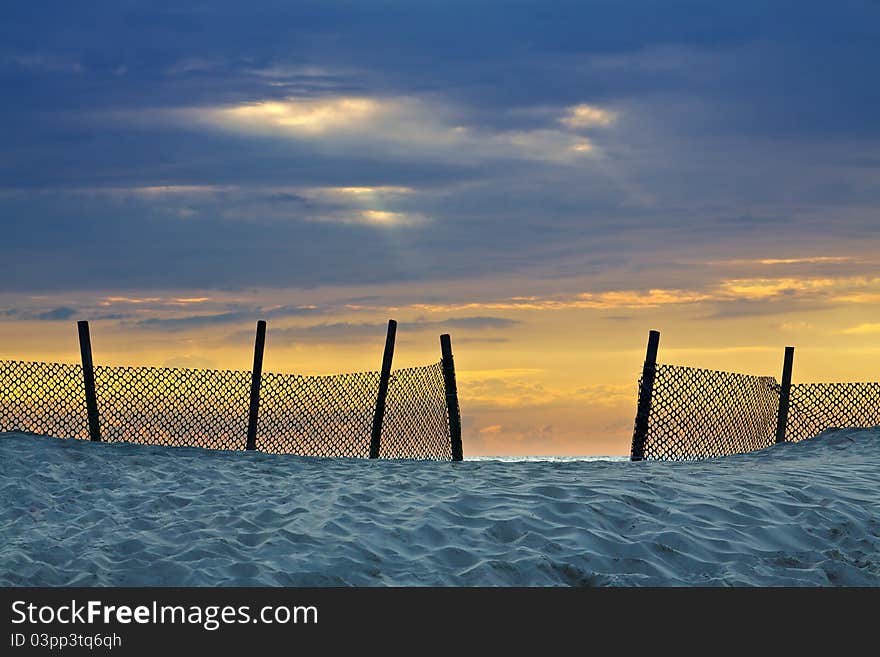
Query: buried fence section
x,y
815,407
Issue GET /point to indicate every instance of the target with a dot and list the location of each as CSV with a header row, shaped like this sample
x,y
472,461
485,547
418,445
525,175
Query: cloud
x,y
301,116
381,218
475,323
586,116
611,299
334,331
804,260
863,329
195,321
373,190
28,314
799,261
708,134
56,314
394,126
737,297
184,322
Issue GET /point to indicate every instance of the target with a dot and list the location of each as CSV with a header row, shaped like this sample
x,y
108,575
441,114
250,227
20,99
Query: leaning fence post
x,y
646,392
448,366
88,368
384,378
256,378
784,395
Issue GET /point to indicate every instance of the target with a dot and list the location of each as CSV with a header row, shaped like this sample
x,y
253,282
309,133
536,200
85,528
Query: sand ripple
x,y
76,513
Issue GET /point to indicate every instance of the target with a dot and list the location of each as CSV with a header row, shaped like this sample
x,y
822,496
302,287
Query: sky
x,y
546,181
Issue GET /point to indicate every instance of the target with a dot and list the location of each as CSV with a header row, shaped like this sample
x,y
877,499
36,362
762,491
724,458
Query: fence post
x,y
784,395
88,368
646,392
384,378
256,378
448,366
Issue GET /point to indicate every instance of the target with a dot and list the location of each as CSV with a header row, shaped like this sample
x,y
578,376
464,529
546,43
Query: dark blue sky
x,y
748,125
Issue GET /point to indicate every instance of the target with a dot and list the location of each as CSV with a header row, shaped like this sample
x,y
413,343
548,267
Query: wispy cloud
x,y
239,315
593,300
384,218
348,330
744,292
803,260
863,329
56,314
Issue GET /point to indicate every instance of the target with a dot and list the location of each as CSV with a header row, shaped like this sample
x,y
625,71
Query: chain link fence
x,y
699,413
304,415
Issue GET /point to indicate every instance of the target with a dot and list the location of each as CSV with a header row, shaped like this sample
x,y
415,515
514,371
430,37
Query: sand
x,y
77,513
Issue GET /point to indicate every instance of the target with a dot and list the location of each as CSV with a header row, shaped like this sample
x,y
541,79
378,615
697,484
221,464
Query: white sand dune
x,y
77,513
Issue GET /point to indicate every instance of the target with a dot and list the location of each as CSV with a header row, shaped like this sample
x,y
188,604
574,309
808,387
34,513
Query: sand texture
x,y
77,513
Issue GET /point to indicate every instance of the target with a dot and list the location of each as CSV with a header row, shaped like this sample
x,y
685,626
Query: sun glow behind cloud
x,y
382,218
304,116
431,127
584,116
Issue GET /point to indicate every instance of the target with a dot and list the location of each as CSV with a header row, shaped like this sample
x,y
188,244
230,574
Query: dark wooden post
x,y
784,395
452,408
384,378
88,368
646,392
256,378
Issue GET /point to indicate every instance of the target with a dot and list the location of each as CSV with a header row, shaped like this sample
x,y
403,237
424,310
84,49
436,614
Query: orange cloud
x,y
863,329
837,290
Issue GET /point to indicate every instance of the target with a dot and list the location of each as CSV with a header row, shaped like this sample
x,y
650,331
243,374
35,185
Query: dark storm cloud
x,y
734,122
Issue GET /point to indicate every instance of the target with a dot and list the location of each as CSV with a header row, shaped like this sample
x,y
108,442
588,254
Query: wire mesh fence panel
x,y
173,407
43,398
317,415
815,407
698,413
416,423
